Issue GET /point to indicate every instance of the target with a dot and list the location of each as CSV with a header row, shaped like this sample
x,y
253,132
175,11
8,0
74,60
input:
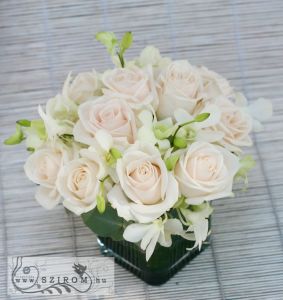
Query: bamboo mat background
x,y
42,40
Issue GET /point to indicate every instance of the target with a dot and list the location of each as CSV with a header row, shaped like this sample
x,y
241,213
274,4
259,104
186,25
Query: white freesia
x,y
180,86
133,84
83,87
205,172
197,218
42,167
150,234
107,113
146,190
79,181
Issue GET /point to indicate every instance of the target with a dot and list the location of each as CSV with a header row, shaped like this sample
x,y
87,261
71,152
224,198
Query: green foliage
x,y
246,164
171,161
110,41
15,138
24,123
108,224
101,203
39,128
180,143
201,117
126,42
112,156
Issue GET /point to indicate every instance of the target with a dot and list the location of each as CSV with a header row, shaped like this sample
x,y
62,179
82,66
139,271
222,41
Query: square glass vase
x,y
163,263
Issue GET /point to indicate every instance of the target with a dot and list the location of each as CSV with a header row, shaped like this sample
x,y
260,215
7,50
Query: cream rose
x,y
78,182
146,189
205,172
111,114
214,84
83,87
235,123
42,168
180,86
133,84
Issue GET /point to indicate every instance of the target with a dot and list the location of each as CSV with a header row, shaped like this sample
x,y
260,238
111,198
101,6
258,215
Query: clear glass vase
x,y
162,265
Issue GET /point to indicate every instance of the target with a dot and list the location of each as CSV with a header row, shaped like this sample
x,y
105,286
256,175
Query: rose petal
x,y
47,197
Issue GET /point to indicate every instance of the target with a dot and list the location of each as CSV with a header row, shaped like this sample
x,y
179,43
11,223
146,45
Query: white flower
x,y
260,110
205,172
132,84
146,131
79,182
150,55
201,130
42,168
197,217
111,114
214,84
83,87
180,86
149,234
146,189
235,123
60,116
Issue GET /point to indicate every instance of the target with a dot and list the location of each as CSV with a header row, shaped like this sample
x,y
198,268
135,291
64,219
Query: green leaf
x,y
108,224
100,203
115,153
108,39
201,117
24,122
171,161
15,138
126,42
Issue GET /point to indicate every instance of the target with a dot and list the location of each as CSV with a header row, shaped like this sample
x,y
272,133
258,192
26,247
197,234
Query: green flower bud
x,y
180,142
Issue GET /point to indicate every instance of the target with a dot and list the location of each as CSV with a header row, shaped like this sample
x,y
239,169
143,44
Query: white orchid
x,y
260,110
159,231
197,218
200,130
150,127
60,116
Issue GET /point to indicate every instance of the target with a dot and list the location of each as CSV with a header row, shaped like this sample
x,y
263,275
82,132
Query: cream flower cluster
x,y
156,140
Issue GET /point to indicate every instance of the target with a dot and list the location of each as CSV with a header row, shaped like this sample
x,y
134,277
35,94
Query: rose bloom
x,y
214,84
179,87
205,172
235,123
146,190
83,87
42,168
133,84
111,114
78,182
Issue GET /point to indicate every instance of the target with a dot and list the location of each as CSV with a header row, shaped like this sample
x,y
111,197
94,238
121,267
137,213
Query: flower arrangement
x,y
141,150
